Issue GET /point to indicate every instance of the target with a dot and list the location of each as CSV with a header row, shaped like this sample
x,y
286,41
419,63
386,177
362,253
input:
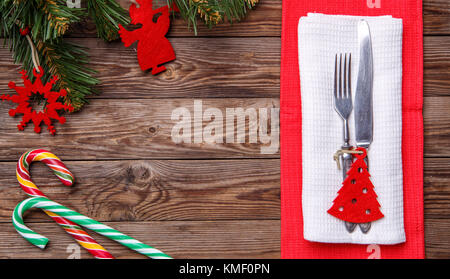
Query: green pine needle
x,y
212,12
107,15
48,21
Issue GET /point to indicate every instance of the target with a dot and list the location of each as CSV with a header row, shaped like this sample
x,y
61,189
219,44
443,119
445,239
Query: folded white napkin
x,y
320,38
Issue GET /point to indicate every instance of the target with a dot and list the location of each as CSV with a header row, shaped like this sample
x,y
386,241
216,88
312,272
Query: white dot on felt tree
x,y
367,211
341,208
354,201
364,190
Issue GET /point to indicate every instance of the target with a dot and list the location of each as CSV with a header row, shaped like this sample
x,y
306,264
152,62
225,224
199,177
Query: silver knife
x,y
363,97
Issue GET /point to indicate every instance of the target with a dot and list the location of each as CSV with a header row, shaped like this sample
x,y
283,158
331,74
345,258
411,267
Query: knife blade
x,y
363,96
364,85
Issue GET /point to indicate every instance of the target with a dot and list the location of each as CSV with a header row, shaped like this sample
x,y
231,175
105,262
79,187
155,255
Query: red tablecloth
x,y
292,243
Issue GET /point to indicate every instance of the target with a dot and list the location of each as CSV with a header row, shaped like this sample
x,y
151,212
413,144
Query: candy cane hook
x,y
67,178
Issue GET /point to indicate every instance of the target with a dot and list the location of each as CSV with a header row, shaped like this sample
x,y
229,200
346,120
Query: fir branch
x,y
208,11
55,19
212,12
68,62
57,57
107,15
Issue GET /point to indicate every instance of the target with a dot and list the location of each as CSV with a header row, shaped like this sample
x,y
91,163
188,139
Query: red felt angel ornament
x,y
153,48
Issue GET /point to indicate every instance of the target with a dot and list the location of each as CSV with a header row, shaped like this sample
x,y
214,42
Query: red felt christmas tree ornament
x,y
357,201
153,48
24,96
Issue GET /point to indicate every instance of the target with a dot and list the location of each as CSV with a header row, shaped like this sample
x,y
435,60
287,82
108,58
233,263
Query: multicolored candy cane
x,y
51,206
66,177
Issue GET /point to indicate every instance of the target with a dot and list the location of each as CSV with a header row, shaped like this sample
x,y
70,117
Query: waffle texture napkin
x,y
320,38
293,243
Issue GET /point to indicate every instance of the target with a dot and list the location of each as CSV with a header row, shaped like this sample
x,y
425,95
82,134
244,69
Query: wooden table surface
x,y
194,200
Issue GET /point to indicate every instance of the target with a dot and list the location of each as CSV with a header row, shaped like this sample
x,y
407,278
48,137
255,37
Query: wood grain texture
x,y
186,189
436,66
436,126
227,68
265,20
156,190
436,207
195,200
436,17
179,239
437,189
437,238
131,129
205,67
107,130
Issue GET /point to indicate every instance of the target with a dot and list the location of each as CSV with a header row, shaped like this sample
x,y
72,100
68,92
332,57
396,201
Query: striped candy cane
x,y
66,177
56,208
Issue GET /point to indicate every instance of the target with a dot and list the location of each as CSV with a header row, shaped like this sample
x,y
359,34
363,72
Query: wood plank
x,y
156,190
131,129
437,66
265,20
179,239
195,239
205,67
437,240
436,126
437,189
106,130
436,17
240,68
436,207
186,189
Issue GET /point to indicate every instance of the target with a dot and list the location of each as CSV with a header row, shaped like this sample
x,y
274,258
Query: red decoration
x,y
37,88
357,201
153,47
24,31
174,8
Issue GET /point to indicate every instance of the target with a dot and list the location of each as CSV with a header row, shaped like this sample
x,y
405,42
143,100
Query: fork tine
x,y
344,77
335,77
349,80
340,75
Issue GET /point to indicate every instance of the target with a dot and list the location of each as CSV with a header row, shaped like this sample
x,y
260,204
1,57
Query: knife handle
x,y
365,227
366,160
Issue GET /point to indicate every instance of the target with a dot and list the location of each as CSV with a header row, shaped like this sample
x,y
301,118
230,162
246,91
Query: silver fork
x,y
344,106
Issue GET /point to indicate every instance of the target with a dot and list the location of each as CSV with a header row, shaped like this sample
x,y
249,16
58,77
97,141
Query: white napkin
x,y
320,38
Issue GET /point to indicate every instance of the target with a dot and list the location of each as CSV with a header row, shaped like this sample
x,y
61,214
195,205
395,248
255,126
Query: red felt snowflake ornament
x,y
23,99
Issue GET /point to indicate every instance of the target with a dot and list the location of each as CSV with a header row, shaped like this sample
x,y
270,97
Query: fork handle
x,y
346,135
347,161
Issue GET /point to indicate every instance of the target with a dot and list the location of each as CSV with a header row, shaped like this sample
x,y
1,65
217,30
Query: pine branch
x,y
107,15
48,21
212,12
68,61
55,19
